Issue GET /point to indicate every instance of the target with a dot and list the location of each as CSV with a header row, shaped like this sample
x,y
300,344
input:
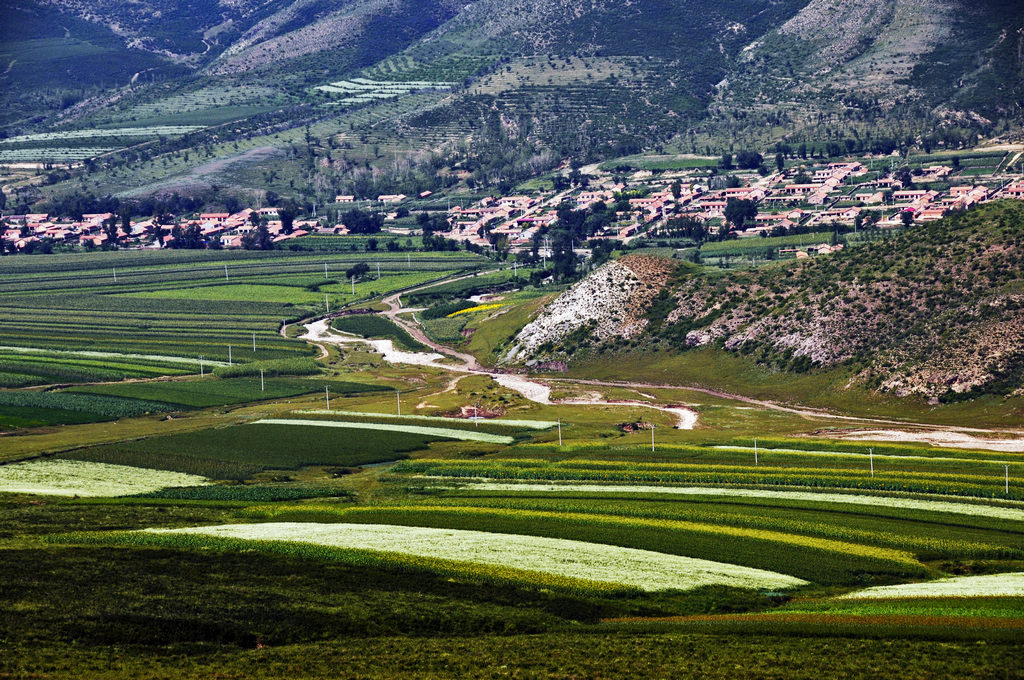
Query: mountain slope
x,y
545,78
916,64
937,311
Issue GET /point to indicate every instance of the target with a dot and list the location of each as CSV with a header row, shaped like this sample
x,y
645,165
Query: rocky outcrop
x,y
608,304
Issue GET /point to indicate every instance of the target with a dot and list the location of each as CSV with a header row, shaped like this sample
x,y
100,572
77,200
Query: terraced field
x,y
66,319
77,145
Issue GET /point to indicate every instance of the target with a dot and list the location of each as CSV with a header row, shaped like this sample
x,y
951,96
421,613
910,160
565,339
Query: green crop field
x,y
305,532
65,319
25,409
214,392
242,451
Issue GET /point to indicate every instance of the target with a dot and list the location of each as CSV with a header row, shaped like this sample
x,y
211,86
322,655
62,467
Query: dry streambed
x,y
320,332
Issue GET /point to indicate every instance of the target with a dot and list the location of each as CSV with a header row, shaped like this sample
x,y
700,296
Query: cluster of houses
x,y
829,199
97,230
837,193
831,193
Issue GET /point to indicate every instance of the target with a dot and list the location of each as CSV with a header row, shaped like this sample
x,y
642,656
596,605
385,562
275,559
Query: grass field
x,y
242,451
360,534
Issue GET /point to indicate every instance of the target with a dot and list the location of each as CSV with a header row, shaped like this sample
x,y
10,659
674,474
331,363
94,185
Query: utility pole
x,y
115,274
328,303
226,272
229,356
261,380
755,452
201,372
652,437
327,394
353,280
559,433
1007,468
325,270
378,271
254,342
871,459
398,400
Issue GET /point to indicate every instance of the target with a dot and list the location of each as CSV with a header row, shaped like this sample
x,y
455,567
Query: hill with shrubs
x,y
936,311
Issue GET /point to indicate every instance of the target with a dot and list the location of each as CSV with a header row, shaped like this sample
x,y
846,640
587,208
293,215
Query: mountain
x,y
936,312
542,78
947,62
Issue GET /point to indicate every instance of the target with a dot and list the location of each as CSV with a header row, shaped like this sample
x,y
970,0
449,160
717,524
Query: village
x,y
635,206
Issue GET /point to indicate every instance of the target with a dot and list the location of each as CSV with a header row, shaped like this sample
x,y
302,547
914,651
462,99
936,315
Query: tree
x,y
424,222
749,160
687,227
905,177
287,215
359,222
907,217
110,229
726,162
357,270
562,254
780,162
258,239
677,190
739,210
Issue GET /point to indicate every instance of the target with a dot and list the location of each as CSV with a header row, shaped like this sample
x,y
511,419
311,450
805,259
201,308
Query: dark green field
x,y
242,451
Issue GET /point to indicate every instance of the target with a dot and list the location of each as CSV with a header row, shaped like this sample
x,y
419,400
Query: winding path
x,y
319,333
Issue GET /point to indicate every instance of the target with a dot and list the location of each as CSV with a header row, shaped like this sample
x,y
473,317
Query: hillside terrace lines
x,y
364,90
